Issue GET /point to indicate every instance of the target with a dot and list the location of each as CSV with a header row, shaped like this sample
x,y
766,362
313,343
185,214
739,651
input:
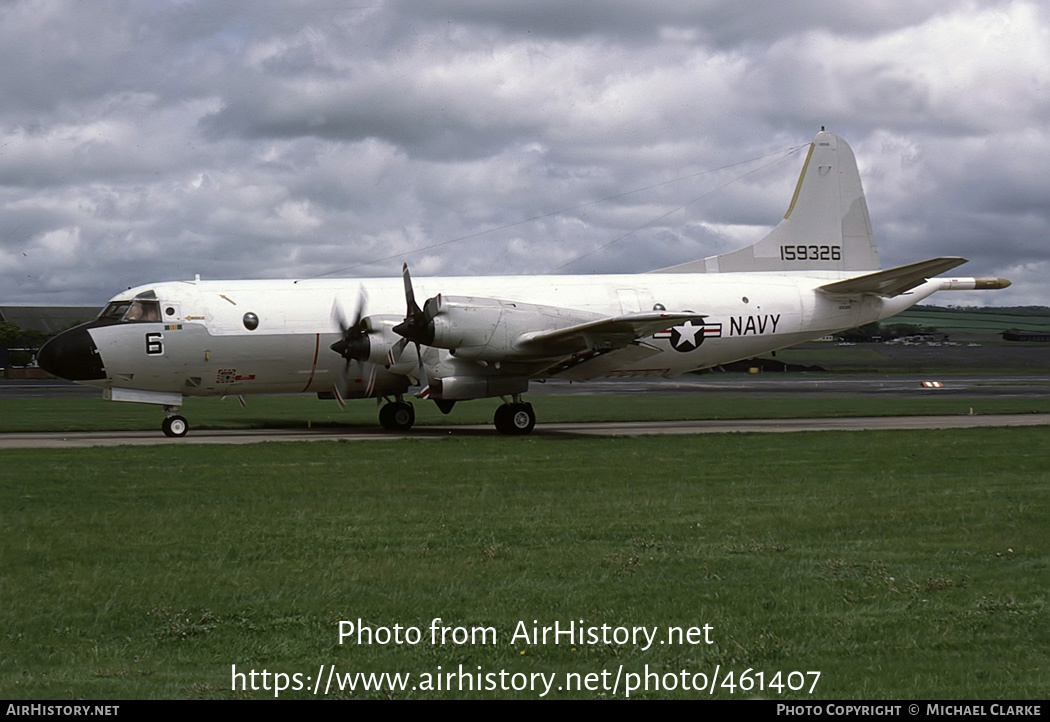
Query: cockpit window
x,y
143,311
128,311
115,311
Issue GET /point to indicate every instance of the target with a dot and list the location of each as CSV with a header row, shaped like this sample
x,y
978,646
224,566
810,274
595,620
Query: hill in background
x,y
954,340
977,321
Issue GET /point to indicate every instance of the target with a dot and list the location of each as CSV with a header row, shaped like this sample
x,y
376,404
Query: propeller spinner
x,y
354,344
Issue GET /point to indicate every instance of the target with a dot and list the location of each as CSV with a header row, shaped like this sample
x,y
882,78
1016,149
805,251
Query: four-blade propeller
x,y
418,327
355,343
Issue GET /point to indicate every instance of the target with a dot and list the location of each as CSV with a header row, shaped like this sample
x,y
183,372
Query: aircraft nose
x,y
72,355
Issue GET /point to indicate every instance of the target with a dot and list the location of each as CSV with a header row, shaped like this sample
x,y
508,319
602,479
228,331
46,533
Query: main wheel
x,y
515,419
175,426
397,416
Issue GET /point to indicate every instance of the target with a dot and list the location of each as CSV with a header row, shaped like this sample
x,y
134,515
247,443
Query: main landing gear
x,y
515,419
512,418
397,416
174,425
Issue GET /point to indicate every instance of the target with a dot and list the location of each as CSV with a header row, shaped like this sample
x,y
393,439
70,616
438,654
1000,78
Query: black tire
x,y
515,419
175,426
397,416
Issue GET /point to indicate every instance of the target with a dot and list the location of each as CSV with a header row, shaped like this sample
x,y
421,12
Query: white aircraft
x,y
816,273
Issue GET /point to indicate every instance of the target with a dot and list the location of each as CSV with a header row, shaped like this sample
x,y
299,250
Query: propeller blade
x,y
394,354
424,383
370,389
362,302
410,295
418,325
338,317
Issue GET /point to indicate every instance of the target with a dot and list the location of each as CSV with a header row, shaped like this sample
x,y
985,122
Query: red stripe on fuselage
x,y
313,367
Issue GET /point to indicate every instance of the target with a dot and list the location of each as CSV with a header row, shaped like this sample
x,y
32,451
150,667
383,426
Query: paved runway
x,y
712,384
64,440
773,385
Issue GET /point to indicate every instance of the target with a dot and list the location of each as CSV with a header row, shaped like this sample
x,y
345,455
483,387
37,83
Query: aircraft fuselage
x,y
202,346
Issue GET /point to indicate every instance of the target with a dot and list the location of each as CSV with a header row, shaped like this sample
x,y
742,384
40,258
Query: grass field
x,y
987,321
301,411
898,564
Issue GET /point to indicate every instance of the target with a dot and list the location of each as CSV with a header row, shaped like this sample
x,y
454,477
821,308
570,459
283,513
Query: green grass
x,y
901,565
829,352
987,321
300,411
1002,359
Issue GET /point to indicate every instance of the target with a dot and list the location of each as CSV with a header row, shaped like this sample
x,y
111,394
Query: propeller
x,y
353,345
418,327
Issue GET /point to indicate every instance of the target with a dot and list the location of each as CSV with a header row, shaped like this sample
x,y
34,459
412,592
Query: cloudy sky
x,y
150,141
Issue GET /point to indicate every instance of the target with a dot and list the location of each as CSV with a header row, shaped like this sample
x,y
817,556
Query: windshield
x,y
128,311
115,311
143,311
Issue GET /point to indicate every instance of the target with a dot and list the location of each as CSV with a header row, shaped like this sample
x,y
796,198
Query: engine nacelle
x,y
489,328
463,322
459,388
383,342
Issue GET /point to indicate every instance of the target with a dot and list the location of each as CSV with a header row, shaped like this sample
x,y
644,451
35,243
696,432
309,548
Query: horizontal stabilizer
x,y
615,332
893,281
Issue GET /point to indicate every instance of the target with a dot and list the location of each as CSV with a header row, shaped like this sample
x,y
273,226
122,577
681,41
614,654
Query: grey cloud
x,y
720,23
143,142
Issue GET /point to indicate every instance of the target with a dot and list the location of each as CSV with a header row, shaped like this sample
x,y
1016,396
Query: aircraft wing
x,y
593,364
604,334
893,281
595,348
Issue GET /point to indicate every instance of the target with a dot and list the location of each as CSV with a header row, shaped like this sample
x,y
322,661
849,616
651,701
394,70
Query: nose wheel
x,y
516,419
175,426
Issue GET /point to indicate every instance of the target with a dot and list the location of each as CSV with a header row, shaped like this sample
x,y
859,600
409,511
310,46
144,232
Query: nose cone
x,y
72,355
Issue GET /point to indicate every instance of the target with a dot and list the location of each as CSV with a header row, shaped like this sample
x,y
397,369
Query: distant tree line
x,y
990,310
884,332
14,336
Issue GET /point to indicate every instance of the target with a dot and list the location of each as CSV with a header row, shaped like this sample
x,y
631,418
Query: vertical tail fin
x,y
826,227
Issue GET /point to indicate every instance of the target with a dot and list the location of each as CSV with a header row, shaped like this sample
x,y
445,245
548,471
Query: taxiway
x,y
67,440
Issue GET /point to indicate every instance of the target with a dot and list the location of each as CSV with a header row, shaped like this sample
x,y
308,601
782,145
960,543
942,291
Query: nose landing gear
x,y
174,426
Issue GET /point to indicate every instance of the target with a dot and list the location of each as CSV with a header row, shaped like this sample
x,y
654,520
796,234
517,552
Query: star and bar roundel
x,y
688,336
